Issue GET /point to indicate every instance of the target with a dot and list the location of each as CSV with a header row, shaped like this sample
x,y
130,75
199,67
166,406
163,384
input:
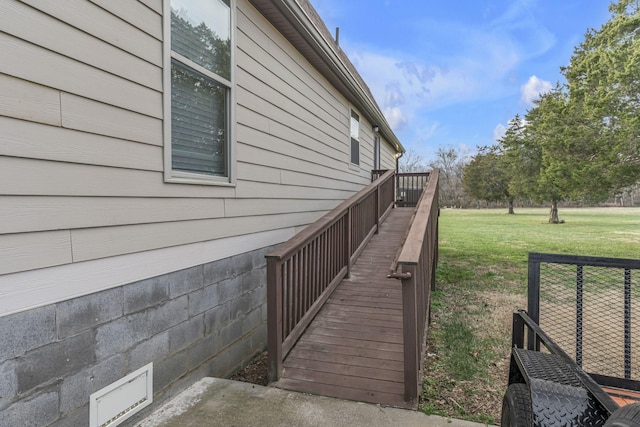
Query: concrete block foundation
x,y
204,321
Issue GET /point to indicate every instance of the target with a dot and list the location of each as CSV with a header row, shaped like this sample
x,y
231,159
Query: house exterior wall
x,y
81,157
97,252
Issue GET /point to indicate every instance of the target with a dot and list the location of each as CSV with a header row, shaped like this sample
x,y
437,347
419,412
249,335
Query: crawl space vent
x,y
122,399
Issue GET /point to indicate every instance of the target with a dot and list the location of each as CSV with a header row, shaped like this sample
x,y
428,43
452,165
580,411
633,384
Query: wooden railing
x,y
409,188
415,265
302,272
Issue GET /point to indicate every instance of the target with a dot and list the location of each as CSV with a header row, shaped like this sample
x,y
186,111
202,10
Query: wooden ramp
x,y
353,348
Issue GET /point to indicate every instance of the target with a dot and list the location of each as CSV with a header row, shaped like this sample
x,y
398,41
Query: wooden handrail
x,y
412,246
303,272
415,265
329,218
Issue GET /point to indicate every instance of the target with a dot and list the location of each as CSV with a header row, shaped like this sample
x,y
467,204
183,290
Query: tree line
x,y
579,142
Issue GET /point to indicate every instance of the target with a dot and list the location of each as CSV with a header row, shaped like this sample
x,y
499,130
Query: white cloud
x,y
532,89
404,86
499,132
396,117
393,95
475,65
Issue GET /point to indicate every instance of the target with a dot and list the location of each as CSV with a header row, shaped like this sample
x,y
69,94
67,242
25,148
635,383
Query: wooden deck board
x,y
356,343
357,318
356,323
365,329
355,382
325,355
384,355
375,396
353,348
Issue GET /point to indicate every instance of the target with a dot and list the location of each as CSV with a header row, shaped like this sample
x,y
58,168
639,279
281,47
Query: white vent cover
x,y
122,399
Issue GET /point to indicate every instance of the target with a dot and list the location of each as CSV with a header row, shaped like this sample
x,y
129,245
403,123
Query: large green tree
x,y
603,81
485,177
521,157
582,140
548,155
548,131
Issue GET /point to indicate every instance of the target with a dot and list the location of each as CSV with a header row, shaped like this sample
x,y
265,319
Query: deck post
x,y
348,240
274,317
410,333
434,260
377,209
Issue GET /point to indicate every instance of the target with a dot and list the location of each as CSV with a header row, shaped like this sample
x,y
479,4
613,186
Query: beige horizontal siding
x,y
252,207
136,14
79,45
286,143
155,5
293,63
257,190
387,156
94,243
288,84
41,213
37,177
28,251
294,157
28,101
47,68
314,181
28,140
253,94
102,119
33,213
277,61
100,23
69,179
252,172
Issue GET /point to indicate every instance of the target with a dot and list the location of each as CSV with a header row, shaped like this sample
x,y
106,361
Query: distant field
x,y
481,280
485,236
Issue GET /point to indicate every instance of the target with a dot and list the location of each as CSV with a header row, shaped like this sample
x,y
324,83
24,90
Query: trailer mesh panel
x,y
593,313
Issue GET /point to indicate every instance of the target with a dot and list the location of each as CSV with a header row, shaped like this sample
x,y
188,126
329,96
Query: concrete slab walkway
x,y
219,402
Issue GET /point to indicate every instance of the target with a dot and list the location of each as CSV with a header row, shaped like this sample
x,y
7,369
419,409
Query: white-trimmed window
x,y
355,138
199,91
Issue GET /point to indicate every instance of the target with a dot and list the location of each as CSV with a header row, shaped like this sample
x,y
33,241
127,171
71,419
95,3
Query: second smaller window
x,y
355,138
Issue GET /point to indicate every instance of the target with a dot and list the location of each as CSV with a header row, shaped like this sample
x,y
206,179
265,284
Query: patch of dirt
x,y
480,398
256,372
498,324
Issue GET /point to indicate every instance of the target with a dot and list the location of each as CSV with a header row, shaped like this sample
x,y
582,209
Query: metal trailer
x,y
583,369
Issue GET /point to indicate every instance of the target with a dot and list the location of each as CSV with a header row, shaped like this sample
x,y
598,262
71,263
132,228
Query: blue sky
x,y
453,73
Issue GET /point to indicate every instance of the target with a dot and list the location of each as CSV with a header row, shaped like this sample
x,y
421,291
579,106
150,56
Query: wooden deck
x,y
353,348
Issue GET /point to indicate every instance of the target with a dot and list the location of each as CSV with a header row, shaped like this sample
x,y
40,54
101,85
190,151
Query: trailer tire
x,y
516,407
627,416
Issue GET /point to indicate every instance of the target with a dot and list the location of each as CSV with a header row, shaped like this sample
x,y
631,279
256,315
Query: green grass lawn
x,y
481,280
488,237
